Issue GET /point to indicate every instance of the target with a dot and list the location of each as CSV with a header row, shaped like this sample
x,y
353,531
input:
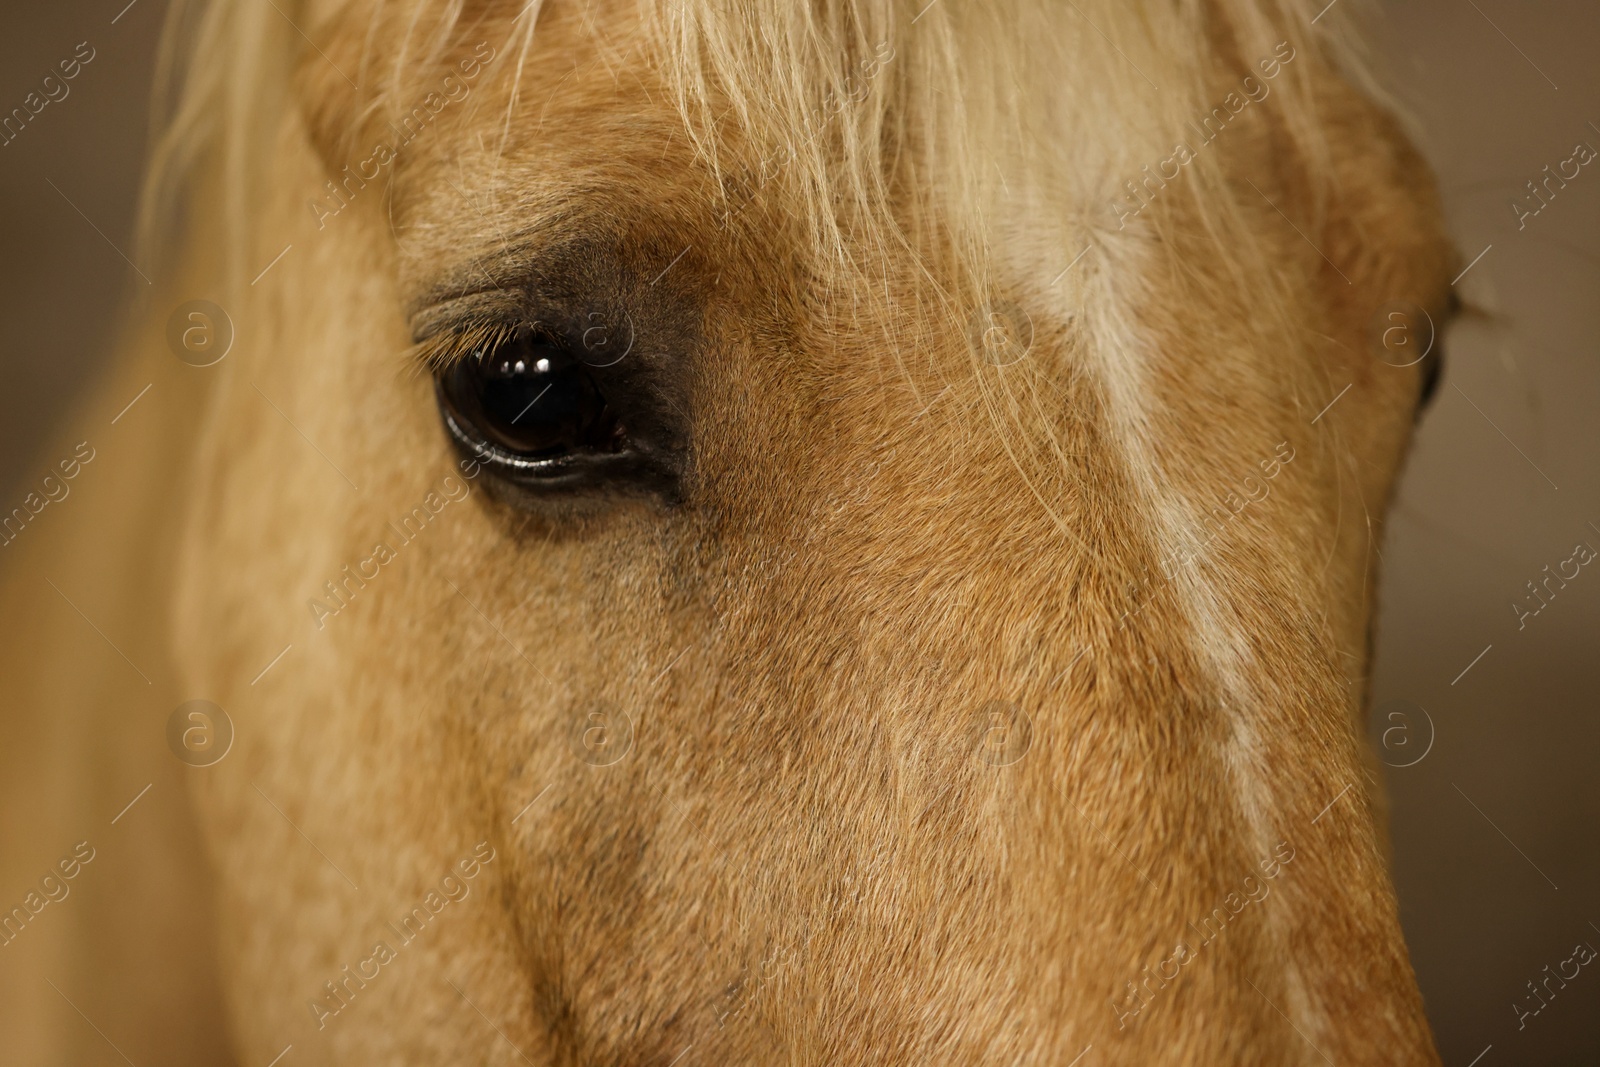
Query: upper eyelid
x,y
501,281
449,328
446,347
461,311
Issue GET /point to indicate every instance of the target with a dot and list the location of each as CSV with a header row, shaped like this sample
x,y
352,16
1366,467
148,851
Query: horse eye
x,y
1433,362
1432,371
526,403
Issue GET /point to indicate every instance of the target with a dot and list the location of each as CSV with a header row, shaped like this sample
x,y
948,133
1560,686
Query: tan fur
x,y
800,860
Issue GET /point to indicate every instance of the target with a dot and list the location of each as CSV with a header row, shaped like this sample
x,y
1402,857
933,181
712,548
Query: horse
x,y
626,532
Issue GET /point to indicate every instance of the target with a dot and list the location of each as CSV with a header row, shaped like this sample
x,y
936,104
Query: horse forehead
x,y
566,174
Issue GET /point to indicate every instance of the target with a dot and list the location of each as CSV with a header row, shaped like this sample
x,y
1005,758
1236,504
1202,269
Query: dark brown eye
x,y
1433,364
1432,371
529,398
531,407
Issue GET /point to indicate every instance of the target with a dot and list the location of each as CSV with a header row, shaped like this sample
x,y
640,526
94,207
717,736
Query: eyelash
x,y
442,351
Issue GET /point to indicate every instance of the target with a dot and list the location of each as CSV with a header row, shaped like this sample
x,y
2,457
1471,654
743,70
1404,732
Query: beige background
x,y
1495,828
1518,735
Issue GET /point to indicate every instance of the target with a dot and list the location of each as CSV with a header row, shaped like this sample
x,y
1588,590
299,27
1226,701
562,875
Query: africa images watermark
x,y
353,577
1208,129
54,887
453,888
1582,955
343,188
1213,523
1540,595
55,491
1542,190
199,733
1141,992
53,89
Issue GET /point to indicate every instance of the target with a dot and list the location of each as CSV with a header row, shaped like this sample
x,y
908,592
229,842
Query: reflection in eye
x,y
528,396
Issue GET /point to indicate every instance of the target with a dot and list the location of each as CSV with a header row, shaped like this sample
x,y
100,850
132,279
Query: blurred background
x,y
1486,715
